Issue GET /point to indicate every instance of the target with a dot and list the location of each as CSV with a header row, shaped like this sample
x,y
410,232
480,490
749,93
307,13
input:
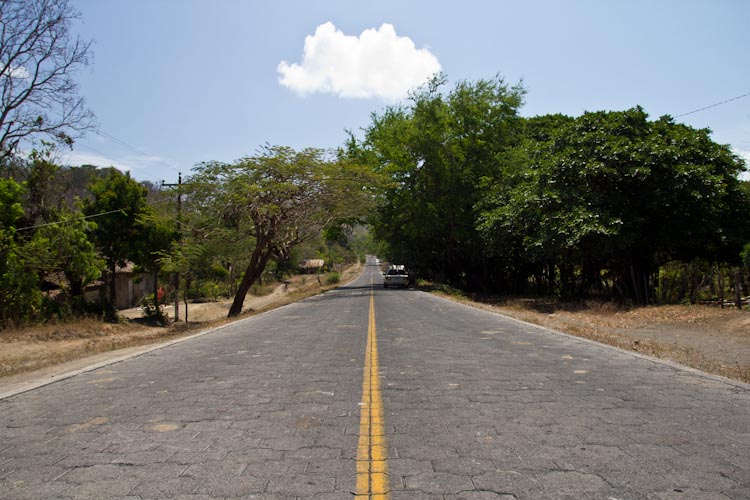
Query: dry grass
x,y
27,354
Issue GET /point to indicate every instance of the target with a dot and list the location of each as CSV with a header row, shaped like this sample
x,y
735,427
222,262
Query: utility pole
x,y
179,237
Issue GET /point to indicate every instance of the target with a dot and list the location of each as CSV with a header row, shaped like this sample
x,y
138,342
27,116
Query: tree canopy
x,y
437,151
280,198
119,205
484,199
455,184
615,191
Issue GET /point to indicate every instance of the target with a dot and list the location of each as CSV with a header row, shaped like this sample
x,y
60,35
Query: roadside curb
x,y
672,364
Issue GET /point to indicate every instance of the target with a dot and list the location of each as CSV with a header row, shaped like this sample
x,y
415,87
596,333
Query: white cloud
x,y
378,63
19,72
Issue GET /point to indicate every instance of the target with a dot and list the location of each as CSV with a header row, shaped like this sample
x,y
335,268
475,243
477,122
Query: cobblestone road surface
x,y
475,407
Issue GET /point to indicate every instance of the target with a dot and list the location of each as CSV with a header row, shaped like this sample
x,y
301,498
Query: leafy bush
x,y
333,278
219,272
55,309
208,291
20,297
153,311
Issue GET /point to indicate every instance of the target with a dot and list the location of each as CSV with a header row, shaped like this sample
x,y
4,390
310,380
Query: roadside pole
x,y
179,237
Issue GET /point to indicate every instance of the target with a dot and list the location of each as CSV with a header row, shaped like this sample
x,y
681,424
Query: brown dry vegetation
x,y
705,337
31,348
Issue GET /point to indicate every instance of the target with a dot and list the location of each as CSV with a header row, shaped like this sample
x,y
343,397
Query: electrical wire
x,y
173,219
713,105
103,155
123,144
130,147
134,149
69,221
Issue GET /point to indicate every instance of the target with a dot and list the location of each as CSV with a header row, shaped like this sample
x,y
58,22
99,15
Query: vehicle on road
x,y
396,276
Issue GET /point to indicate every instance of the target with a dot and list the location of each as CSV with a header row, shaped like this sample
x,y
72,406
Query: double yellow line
x,y
372,468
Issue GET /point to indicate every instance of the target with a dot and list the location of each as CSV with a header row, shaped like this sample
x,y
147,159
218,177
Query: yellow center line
x,y
372,466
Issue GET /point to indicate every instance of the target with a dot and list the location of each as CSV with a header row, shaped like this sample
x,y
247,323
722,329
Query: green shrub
x,y
219,272
207,291
20,298
153,311
333,278
55,309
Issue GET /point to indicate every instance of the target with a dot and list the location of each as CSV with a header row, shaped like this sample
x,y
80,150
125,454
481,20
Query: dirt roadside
x,y
45,351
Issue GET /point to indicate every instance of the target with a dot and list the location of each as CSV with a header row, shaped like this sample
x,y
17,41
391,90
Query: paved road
x,y
449,403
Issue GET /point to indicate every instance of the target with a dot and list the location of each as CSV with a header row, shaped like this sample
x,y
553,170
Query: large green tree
x,y
19,292
64,248
437,151
615,191
118,204
282,196
159,233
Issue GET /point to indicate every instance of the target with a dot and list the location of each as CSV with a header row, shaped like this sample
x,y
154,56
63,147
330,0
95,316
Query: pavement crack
x,y
496,492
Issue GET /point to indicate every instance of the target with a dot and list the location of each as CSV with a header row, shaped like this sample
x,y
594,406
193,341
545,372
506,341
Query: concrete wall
x,y
131,288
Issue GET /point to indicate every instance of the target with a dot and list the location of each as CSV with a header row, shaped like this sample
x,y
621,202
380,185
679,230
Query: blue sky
x,y
177,82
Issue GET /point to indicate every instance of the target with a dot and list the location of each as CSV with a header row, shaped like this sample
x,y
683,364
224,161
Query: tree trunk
x,y
113,286
738,289
231,279
636,288
156,288
188,281
76,285
111,312
177,296
257,263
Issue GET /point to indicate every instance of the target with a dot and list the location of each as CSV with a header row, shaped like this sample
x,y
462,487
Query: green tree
x,y
437,152
158,236
119,205
19,293
182,258
64,247
615,191
44,188
284,196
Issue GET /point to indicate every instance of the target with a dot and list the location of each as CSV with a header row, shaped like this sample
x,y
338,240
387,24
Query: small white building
x,y
311,266
131,286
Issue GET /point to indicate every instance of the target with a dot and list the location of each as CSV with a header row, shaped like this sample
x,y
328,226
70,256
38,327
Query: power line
x,y
134,149
130,147
105,156
69,221
125,145
713,105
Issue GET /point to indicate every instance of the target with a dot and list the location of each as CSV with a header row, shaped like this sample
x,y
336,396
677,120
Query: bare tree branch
x,y
38,59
